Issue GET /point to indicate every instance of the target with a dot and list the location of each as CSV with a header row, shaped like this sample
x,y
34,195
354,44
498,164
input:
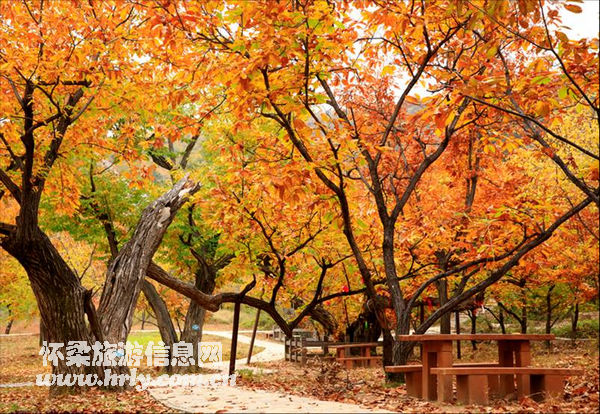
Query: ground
x,y
286,386
366,387
20,362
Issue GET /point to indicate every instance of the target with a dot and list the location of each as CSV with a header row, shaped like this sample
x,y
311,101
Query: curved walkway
x,y
212,399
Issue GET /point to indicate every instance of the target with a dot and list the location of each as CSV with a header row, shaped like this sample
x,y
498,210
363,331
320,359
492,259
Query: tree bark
x,y
457,323
234,337
473,316
163,318
127,270
401,352
8,327
549,309
523,320
194,318
443,297
254,329
574,321
59,294
10,319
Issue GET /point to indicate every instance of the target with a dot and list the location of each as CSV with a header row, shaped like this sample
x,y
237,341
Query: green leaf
x,y
562,93
491,51
312,23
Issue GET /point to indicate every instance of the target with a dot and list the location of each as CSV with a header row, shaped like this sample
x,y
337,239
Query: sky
x,y
584,24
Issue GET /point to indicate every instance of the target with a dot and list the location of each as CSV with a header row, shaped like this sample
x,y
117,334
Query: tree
x,y
327,149
62,76
288,62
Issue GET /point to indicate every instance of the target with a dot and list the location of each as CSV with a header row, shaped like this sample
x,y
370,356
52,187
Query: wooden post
x,y
253,336
421,320
297,349
234,337
457,320
303,355
325,347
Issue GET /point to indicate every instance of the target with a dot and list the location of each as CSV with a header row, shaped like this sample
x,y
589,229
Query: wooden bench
x,y
365,358
296,349
352,362
472,382
414,376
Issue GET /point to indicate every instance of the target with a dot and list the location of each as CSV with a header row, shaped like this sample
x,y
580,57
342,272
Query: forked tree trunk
x,y
64,304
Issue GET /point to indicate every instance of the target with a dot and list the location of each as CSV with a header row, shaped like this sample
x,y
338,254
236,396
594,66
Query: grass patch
x,y
585,329
247,316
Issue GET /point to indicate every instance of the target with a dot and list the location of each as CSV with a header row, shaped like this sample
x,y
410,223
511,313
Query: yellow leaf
x,y
388,70
542,108
491,51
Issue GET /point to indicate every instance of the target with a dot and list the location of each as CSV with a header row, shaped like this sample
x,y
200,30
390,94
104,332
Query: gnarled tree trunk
x,y
59,294
127,270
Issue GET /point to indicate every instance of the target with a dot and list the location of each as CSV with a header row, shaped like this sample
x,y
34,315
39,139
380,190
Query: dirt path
x,y
272,351
237,399
210,399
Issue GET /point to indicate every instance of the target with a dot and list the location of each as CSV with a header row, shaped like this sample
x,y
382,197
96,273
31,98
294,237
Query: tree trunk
x,y
574,321
127,270
194,318
254,328
443,297
523,320
59,295
473,317
163,318
401,352
388,354
398,303
325,319
8,327
457,323
10,321
549,312
501,320
234,337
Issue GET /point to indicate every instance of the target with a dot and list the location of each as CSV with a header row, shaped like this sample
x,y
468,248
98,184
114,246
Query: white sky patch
x,y
584,24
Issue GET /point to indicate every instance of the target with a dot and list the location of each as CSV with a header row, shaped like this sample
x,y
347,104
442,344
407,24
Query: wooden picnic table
x,y
513,351
365,359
